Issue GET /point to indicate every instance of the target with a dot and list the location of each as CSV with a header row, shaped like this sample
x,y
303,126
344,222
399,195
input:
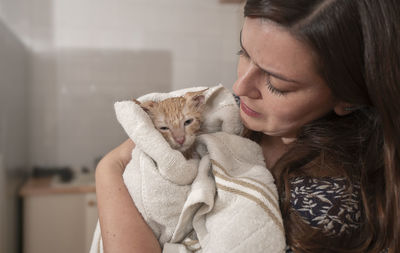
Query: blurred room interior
x,y
62,66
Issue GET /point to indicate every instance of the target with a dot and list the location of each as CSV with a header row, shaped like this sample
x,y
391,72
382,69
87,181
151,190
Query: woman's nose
x,y
246,83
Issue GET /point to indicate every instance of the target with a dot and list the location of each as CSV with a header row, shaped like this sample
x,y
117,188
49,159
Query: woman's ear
x,y
344,108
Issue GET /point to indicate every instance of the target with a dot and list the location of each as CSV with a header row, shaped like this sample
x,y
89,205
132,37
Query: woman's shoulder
x,y
332,204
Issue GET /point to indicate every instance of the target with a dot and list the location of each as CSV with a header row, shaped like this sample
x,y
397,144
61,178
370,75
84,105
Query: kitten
x,y
178,119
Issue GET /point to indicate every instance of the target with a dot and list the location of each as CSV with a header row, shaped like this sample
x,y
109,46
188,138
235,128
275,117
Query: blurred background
x,y
63,63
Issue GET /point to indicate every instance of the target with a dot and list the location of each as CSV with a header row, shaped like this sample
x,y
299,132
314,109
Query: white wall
x,y
64,63
3,218
202,35
88,54
13,132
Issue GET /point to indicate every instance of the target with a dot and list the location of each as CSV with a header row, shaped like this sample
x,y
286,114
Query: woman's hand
x,y
117,159
122,226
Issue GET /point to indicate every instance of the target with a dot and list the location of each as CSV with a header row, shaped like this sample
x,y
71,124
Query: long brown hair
x,y
357,45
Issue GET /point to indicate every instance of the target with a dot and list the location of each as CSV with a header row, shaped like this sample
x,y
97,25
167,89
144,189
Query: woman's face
x,y
278,84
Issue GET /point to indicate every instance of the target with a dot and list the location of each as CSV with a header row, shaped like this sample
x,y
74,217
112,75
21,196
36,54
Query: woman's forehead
x,y
275,49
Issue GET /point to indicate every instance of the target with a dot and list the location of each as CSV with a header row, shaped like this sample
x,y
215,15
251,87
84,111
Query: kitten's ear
x,y
147,106
136,102
197,98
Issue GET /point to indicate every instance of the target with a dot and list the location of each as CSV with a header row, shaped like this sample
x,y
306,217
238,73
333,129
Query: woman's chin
x,y
257,128
251,125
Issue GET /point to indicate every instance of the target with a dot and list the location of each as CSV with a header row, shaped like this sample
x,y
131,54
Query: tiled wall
x,y
202,35
87,54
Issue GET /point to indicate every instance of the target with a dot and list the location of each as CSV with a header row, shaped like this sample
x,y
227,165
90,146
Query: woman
x,y
318,88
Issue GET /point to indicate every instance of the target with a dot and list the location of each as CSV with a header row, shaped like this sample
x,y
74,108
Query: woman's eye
x,y
164,128
188,122
273,89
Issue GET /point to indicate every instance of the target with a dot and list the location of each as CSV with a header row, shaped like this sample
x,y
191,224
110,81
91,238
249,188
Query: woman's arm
x,y
122,226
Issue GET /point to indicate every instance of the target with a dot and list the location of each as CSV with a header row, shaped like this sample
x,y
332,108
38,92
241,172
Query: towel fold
x,y
233,202
226,201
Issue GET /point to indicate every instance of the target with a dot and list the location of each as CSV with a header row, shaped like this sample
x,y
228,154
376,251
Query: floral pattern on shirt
x,y
327,203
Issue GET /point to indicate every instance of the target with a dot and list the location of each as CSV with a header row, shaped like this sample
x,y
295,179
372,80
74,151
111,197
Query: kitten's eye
x,y
164,128
187,122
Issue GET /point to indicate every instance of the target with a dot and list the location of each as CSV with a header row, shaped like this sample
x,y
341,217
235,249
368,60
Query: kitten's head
x,y
178,119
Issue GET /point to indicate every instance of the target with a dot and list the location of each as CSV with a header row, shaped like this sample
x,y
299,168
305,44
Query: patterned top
x,y
328,204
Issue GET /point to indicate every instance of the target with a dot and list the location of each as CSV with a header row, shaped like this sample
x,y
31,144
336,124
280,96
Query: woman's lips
x,y
249,111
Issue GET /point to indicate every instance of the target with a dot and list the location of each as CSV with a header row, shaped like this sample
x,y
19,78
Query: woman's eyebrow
x,y
274,74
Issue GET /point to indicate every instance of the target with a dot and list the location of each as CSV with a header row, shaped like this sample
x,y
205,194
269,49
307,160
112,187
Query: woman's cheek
x,y
283,116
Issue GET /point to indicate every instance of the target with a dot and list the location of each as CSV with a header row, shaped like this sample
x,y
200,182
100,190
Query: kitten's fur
x,y
178,119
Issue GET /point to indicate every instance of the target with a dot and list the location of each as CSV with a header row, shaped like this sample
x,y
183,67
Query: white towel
x,y
226,201
242,214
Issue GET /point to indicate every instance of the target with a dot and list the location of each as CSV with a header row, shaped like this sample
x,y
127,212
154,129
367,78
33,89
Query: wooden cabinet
x,y
58,219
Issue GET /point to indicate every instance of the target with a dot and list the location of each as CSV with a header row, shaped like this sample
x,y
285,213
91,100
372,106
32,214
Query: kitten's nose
x,y
180,140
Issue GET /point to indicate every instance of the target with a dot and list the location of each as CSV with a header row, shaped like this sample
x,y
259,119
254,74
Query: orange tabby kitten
x,y
178,119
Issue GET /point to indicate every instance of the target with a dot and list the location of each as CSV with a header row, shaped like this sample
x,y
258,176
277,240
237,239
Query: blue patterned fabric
x,y
237,99
328,204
